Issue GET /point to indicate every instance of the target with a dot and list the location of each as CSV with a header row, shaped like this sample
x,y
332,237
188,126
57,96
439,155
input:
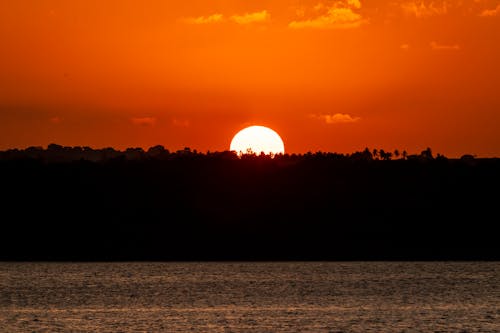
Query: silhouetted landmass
x,y
73,203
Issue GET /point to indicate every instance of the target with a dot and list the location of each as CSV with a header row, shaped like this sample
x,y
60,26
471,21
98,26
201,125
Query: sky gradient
x,y
326,75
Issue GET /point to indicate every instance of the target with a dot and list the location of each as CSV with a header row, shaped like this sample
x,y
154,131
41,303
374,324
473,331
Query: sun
x,y
257,139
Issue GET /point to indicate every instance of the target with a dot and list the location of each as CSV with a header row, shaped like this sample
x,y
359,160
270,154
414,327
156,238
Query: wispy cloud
x,y
354,3
215,18
248,18
55,120
143,121
340,15
405,47
337,118
442,47
177,122
422,9
490,12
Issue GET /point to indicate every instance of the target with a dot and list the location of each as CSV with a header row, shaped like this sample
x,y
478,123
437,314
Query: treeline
x,y
60,204
58,153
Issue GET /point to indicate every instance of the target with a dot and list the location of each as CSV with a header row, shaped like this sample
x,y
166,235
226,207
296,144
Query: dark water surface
x,y
250,297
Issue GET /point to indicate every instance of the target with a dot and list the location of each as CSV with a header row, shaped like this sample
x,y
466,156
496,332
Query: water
x,y
250,297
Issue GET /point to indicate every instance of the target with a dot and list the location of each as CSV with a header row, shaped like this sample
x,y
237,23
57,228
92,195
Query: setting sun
x,y
257,139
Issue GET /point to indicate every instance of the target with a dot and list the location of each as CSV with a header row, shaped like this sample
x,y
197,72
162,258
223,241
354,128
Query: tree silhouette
x,y
396,153
427,154
386,156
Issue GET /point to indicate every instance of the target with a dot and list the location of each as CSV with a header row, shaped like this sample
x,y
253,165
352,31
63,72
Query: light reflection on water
x,y
244,297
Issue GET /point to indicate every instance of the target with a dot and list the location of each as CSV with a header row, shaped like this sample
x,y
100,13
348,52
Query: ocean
x,y
250,297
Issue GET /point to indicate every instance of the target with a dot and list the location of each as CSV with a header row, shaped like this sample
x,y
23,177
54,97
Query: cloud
x,y
215,18
405,47
337,118
422,9
248,18
55,120
440,47
354,3
144,121
340,15
490,12
180,122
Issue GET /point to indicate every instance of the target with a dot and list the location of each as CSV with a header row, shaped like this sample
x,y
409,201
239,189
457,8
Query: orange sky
x,y
327,75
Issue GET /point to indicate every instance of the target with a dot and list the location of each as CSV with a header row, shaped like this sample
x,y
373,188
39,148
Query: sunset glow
x,y
327,75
